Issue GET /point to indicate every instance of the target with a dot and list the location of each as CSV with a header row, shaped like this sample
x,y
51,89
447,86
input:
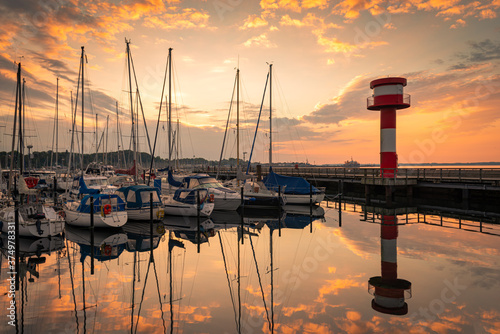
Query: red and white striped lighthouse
x,y
388,97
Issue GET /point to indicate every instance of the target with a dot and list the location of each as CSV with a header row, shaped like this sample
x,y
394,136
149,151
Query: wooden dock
x,y
459,185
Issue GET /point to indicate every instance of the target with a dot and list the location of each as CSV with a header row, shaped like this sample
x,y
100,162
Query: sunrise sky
x,y
324,55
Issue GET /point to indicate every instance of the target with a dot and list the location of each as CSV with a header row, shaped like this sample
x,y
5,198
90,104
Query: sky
x,y
324,54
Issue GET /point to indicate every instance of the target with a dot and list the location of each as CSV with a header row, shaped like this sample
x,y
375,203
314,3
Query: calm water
x,y
313,278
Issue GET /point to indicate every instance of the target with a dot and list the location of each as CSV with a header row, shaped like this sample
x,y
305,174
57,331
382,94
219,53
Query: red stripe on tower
x,y
388,97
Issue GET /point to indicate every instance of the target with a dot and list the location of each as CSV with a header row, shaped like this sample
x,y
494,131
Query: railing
x,y
401,99
476,175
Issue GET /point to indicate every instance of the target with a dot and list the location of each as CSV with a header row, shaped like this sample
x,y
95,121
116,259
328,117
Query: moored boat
x,y
137,202
109,211
184,202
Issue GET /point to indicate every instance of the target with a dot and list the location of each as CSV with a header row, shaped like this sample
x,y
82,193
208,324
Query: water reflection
x,y
266,271
389,290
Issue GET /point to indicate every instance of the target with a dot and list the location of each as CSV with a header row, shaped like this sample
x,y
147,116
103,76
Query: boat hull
x,y
145,214
189,210
114,219
226,204
51,225
304,199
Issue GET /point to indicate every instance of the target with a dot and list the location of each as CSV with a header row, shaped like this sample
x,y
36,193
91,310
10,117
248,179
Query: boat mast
x,y
134,143
106,147
57,120
270,115
21,132
117,137
11,177
237,124
83,105
169,112
177,141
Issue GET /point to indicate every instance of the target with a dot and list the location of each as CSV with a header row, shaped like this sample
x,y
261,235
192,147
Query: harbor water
x,y
263,272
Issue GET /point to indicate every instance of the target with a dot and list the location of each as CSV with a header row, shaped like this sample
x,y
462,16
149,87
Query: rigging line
x,y
260,281
227,124
142,297
257,126
140,103
72,287
159,297
159,115
280,90
174,71
228,280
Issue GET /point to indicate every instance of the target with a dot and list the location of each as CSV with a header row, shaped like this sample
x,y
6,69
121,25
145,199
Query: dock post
x,y
409,194
367,194
341,188
92,235
151,226
279,211
465,198
198,219
388,195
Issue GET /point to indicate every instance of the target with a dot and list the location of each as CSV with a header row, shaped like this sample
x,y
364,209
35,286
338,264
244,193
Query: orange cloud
x,y
292,5
254,21
260,41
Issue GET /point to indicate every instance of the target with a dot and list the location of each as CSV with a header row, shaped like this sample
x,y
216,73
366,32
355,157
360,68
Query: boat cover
x,y
86,190
138,196
293,185
101,199
172,181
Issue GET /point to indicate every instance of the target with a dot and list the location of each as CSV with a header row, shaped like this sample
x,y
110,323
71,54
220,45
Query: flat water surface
x,y
427,275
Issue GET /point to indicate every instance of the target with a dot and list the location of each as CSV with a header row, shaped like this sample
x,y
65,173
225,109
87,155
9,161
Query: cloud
x,y
292,5
350,102
485,50
254,21
260,41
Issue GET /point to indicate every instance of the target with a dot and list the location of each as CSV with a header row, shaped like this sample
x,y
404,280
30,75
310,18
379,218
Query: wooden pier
x,y
458,185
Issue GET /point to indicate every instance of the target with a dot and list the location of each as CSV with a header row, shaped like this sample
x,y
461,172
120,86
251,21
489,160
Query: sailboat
x,y
33,219
254,192
296,189
108,209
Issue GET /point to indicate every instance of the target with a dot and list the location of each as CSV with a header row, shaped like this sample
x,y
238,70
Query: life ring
x,y
106,250
211,198
107,209
31,182
62,214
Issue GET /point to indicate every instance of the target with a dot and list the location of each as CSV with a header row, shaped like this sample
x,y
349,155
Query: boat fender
x,y
160,229
38,225
160,214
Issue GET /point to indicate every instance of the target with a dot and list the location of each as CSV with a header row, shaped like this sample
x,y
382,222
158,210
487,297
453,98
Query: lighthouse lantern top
x,y
388,81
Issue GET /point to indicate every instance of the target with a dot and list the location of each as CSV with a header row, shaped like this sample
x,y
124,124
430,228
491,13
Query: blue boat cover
x,y
294,185
84,189
172,181
138,200
101,199
157,183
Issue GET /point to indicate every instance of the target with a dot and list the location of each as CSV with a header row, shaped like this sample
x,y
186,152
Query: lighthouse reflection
x,y
389,292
